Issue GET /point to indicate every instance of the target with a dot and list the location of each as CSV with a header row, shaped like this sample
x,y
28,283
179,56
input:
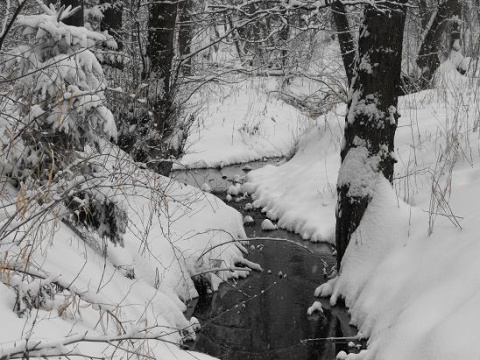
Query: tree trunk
x,y
455,24
112,23
185,33
235,38
372,116
112,20
428,56
160,54
345,38
424,13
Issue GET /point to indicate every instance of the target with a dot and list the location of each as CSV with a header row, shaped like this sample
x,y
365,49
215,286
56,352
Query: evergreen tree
x,y
56,121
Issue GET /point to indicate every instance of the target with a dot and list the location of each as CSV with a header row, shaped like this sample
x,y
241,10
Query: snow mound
x,y
267,225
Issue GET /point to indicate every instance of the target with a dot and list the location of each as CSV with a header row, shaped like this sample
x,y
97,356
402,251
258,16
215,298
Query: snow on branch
x,y
50,23
283,5
59,347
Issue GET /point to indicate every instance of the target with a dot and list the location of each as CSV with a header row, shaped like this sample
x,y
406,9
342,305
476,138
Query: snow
x,y
267,225
248,220
359,172
174,232
307,181
244,121
316,307
410,275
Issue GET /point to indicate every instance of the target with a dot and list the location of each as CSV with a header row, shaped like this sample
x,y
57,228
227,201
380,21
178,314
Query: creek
x,y
265,315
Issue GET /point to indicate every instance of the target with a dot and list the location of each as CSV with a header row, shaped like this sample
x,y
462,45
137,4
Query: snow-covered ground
x,y
110,301
410,275
243,118
239,122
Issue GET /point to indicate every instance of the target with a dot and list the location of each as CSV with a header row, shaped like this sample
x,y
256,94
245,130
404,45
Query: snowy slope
x,y
114,294
240,122
301,194
410,275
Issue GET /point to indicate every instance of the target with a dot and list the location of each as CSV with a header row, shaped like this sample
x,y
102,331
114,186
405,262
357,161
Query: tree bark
x,y
185,33
160,54
235,38
372,116
455,24
345,38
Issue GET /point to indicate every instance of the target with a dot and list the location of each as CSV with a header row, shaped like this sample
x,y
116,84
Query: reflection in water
x,y
265,316
220,179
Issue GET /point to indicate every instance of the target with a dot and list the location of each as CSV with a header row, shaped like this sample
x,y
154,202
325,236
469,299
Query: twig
x,y
232,269
258,239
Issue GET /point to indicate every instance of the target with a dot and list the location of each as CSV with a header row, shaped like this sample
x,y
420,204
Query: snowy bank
x,y
240,122
301,194
70,292
410,275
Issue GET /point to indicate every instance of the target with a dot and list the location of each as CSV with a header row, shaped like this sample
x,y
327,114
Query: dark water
x,y
265,315
219,179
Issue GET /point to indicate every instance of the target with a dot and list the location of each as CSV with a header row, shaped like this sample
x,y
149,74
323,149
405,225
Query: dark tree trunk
x,y
284,35
424,12
455,24
185,33
428,56
160,54
112,20
372,116
345,38
112,23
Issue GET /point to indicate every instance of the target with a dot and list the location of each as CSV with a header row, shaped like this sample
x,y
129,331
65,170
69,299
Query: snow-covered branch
x,y
59,347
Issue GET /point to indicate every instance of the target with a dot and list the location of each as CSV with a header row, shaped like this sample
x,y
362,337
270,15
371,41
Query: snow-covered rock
x,y
267,225
248,220
234,190
315,307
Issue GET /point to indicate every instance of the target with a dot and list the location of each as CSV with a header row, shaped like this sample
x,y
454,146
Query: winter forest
x,y
239,179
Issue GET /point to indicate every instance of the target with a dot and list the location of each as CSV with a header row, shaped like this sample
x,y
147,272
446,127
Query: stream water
x,y
265,315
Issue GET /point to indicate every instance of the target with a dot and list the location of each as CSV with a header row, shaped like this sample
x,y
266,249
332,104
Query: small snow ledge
x,y
359,172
